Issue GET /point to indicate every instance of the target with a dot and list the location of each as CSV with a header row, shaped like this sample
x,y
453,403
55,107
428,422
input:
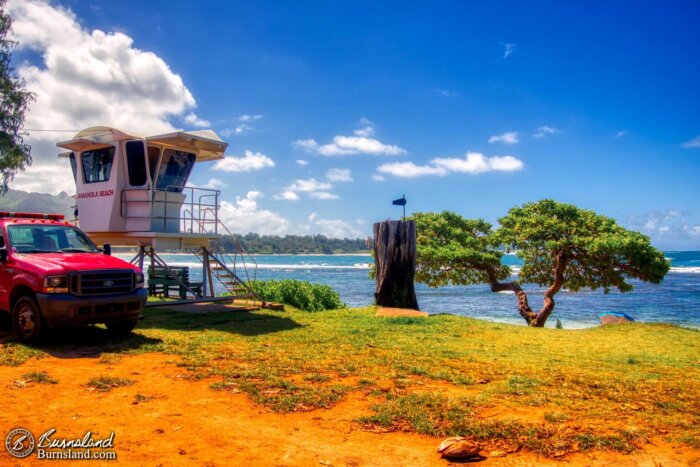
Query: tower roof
x,y
205,143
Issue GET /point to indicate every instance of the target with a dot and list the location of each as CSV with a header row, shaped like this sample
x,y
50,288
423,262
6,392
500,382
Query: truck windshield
x,y
49,239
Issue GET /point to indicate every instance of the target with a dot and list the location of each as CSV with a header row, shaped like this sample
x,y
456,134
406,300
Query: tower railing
x,y
166,209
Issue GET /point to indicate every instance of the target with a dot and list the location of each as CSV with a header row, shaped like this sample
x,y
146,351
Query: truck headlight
x,y
138,280
56,284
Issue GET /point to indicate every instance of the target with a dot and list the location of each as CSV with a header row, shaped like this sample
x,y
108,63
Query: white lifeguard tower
x,y
131,191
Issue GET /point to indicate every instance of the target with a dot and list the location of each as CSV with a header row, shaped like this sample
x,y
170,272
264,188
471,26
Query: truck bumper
x,y
63,310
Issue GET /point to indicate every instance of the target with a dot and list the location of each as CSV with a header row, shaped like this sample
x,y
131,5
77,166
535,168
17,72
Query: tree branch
x,y
560,263
497,286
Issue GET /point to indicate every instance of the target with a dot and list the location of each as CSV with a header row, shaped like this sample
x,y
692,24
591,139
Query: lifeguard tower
x,y
131,191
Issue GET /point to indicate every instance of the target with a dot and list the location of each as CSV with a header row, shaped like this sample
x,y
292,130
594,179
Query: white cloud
x,y
242,129
249,118
339,175
508,49
323,195
287,196
250,161
302,162
378,178
333,228
504,163
475,163
672,228
42,178
193,120
314,188
510,137
472,163
360,143
309,185
366,131
87,78
445,92
336,228
693,143
620,134
215,184
244,216
409,169
545,130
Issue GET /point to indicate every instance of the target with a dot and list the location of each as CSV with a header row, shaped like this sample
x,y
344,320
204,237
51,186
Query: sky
x,y
333,109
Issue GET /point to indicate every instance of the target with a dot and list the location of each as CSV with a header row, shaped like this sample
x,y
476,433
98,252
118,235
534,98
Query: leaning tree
x,y
15,156
560,245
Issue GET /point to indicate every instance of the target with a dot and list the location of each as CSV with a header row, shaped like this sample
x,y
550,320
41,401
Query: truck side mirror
x,y
107,249
3,254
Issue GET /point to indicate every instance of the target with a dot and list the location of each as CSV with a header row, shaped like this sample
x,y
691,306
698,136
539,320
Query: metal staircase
x,y
234,271
228,271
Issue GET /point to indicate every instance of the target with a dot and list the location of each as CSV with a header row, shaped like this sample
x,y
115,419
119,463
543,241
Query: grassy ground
x,y
548,390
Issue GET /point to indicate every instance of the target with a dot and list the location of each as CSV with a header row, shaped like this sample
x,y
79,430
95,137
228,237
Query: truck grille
x,y
102,282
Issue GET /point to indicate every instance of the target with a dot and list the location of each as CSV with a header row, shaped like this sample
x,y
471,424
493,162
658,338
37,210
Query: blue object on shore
x,y
610,317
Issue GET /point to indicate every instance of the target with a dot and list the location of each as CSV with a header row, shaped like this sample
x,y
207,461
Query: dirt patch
x,y
385,311
165,416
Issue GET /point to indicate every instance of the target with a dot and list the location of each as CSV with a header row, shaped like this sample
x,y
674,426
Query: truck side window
x,y
97,164
136,163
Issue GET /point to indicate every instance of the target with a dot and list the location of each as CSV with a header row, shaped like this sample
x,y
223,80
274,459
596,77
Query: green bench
x,y
161,282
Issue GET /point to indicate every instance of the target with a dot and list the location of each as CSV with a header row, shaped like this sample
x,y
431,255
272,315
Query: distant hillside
x,y
21,201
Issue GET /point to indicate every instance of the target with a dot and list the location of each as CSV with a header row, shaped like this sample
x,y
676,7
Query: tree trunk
x,y
533,319
395,260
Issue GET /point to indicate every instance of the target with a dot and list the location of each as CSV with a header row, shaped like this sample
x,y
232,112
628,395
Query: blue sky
x,y
595,104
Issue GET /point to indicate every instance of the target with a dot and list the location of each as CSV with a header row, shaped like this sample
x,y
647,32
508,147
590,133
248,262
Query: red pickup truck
x,y
52,275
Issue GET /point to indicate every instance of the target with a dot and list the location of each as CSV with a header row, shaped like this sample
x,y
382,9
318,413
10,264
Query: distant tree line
x,y
292,244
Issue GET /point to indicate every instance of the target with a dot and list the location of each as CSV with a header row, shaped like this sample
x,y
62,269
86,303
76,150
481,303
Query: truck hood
x,y
69,262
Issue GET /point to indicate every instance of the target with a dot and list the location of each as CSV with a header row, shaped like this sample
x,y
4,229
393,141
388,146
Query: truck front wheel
x,y
122,328
27,322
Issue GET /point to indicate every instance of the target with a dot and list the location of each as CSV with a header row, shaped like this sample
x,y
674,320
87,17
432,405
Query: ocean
x,y
676,300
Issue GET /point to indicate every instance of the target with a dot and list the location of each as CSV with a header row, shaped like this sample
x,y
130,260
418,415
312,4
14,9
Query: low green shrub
x,y
300,294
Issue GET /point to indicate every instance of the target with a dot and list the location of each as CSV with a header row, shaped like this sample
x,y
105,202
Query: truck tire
x,y
27,322
121,328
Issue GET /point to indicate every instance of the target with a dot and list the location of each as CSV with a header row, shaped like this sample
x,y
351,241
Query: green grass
x,y
437,415
40,377
14,354
553,390
141,398
107,383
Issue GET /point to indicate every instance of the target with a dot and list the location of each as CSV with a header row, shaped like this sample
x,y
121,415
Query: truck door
x,y
5,279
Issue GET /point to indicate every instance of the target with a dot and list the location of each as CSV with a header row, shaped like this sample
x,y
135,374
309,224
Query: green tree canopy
x,y
15,156
452,250
560,245
591,250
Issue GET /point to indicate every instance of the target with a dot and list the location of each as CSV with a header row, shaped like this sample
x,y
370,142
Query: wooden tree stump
x,y
395,259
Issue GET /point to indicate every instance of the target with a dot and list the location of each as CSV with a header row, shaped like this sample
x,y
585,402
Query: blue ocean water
x,y
676,300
